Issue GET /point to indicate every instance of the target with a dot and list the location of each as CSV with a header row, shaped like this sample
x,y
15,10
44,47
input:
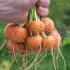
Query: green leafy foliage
x,y
59,11
66,40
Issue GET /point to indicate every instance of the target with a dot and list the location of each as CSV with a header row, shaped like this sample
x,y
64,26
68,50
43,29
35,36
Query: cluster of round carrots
x,y
35,35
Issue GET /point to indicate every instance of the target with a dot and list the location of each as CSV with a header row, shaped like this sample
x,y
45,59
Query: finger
x,y
43,3
27,4
43,12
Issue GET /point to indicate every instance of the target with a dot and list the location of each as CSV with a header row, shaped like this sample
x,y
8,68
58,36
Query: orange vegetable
x,y
15,33
37,26
49,24
57,37
34,42
48,42
16,48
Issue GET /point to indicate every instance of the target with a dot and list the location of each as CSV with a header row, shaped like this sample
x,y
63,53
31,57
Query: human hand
x,y
42,7
16,11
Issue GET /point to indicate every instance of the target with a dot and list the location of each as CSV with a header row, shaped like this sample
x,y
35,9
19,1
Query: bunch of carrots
x,y
33,35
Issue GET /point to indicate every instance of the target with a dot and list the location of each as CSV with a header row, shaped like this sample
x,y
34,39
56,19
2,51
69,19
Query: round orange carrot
x,y
49,24
15,33
37,26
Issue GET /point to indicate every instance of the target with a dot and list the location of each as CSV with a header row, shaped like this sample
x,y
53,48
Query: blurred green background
x,y
59,12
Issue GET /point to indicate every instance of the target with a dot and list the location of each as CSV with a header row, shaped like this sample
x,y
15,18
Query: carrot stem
x,y
43,35
22,23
